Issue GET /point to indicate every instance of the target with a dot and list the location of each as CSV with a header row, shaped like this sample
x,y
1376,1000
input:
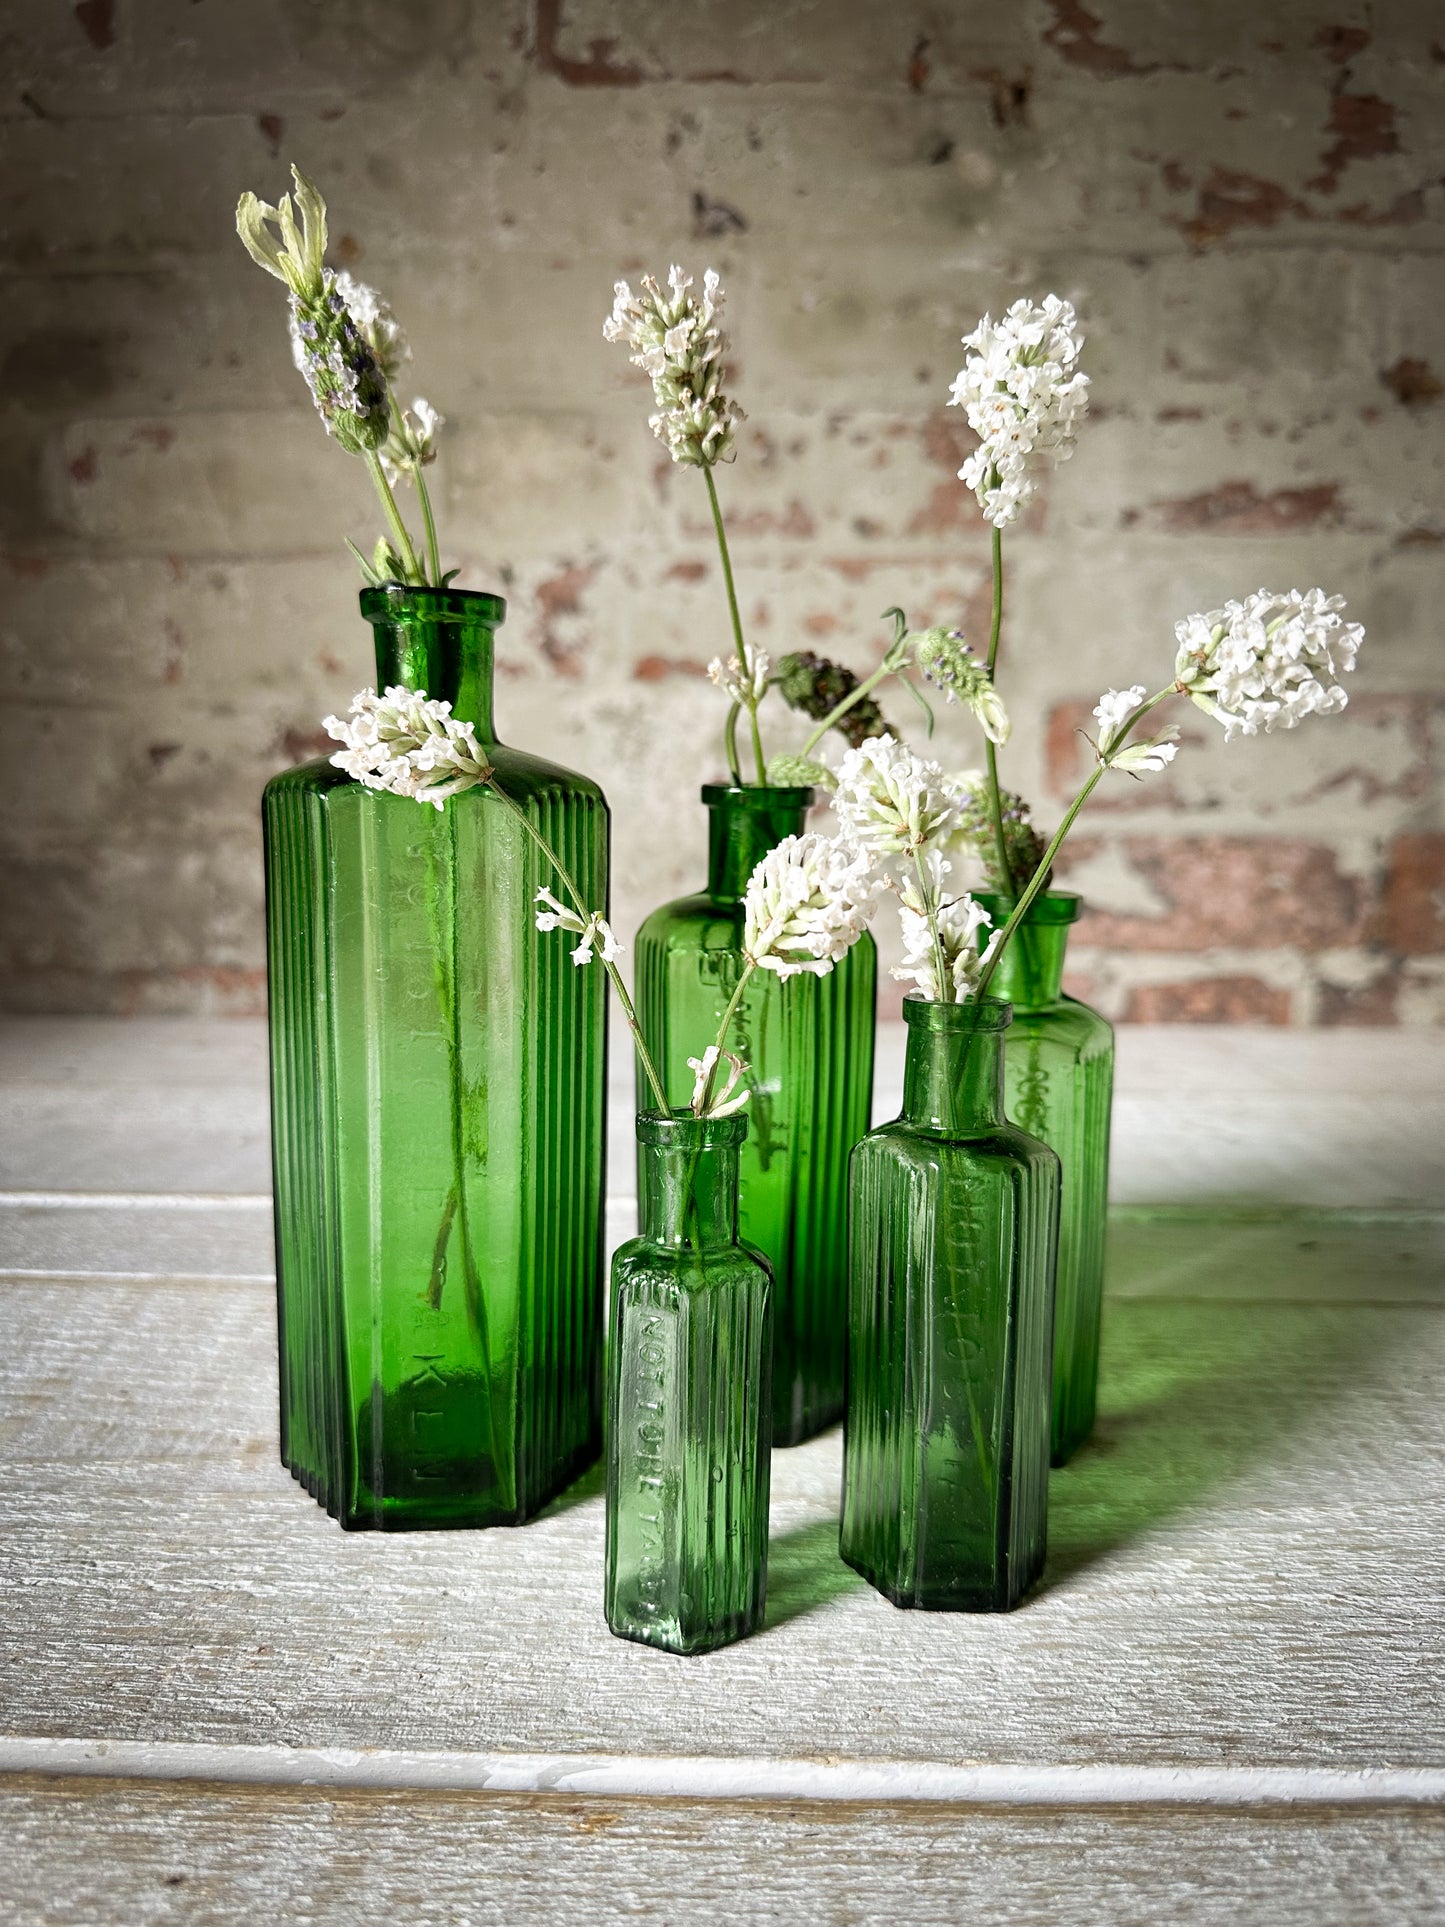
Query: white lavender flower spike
x,y
959,921
723,1102
378,326
1267,662
807,903
675,340
404,743
1024,398
948,662
890,802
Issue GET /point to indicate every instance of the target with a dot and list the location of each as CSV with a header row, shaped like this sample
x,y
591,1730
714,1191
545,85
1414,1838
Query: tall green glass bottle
x,y
809,1044
953,1221
1059,1085
437,1092
689,1409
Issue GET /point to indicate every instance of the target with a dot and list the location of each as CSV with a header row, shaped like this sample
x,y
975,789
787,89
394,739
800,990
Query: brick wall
x,y
1246,205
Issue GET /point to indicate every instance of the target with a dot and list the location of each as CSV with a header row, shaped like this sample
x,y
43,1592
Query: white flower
x,y
379,327
948,661
890,801
1267,662
1112,713
723,1102
404,743
411,441
1156,754
959,920
594,931
675,339
807,902
1024,398
743,680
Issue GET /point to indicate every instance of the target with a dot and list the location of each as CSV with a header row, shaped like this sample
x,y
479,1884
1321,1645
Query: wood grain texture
x,y
150,1855
1246,1568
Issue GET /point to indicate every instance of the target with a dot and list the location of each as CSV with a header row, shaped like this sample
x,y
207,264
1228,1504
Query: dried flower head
x,y
807,903
743,679
814,685
949,662
722,1103
1267,662
594,931
973,834
346,380
675,339
1024,399
890,801
799,772
959,920
404,743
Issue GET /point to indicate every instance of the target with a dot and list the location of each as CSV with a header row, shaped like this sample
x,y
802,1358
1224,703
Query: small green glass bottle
x,y
437,1086
809,1046
689,1407
1059,1085
953,1223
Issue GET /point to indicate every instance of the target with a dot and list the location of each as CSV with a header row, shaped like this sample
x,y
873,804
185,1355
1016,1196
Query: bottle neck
x,y
953,1069
688,1179
1030,972
743,825
439,640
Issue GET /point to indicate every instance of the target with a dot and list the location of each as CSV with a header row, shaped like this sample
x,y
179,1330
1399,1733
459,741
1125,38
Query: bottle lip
x,y
763,796
682,1131
1051,906
387,601
990,1015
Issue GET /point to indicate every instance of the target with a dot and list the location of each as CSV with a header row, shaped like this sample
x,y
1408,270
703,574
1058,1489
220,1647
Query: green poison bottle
x,y
953,1221
809,1046
437,1088
689,1409
1058,1084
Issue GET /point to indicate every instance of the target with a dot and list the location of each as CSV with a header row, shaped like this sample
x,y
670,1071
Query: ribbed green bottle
x,y
1059,1085
809,1045
953,1223
437,1090
689,1411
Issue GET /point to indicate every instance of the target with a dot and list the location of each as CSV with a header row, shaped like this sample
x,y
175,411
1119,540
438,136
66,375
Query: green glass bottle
x,y
953,1221
1059,1085
809,1046
437,1087
689,1408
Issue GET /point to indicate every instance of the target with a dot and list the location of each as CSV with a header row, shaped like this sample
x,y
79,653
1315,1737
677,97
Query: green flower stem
x,y
888,667
433,553
406,554
628,1009
730,744
930,910
995,795
1040,875
737,621
724,1027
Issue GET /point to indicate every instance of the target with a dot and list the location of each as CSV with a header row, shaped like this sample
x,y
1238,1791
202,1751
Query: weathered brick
x,y
1250,892
1414,907
1208,1000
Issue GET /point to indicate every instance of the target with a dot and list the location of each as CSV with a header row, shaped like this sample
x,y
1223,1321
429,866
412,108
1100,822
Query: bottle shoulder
x,y
1002,1146
642,1265
313,779
523,775
1068,1024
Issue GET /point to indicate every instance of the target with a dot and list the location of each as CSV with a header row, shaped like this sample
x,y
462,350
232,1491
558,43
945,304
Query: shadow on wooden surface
x,y
805,1572
1194,1395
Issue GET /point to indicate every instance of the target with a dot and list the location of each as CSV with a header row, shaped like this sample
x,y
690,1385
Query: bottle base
x,y
667,1639
951,1599
464,1512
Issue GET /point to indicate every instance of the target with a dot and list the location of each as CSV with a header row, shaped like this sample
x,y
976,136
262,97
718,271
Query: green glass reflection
x,y
809,1044
438,1085
954,1217
689,1408
1059,1084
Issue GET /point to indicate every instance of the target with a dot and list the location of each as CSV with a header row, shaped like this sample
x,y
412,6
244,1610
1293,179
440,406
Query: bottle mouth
x,y
762,797
391,601
684,1132
1050,906
989,1014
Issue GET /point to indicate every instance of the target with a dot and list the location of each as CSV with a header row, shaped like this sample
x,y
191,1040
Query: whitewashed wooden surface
x,y
1226,1701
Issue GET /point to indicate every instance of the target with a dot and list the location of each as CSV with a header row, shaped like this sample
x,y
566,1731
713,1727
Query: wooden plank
x,y
140,1853
1246,1569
